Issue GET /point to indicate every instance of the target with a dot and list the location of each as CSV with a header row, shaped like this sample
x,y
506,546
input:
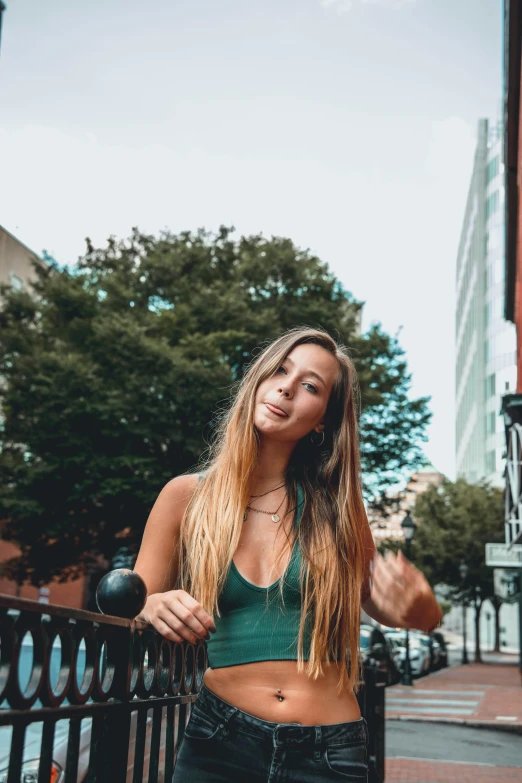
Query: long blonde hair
x,y
330,532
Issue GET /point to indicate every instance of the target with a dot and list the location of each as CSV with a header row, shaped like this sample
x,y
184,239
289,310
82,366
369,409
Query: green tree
x,y
112,371
455,521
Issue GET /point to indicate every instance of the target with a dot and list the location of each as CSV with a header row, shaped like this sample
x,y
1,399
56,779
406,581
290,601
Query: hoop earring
x,y
315,443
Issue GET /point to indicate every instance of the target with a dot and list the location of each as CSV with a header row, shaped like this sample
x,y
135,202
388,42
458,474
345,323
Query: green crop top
x,y
255,624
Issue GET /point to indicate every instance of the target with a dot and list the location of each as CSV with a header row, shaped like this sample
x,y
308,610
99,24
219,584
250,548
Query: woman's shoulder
x,y
172,501
181,487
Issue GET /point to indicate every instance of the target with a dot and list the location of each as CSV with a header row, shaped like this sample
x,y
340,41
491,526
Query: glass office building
x,y
485,352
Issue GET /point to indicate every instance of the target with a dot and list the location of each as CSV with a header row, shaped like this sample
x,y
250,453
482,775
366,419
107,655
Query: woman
x,y
273,560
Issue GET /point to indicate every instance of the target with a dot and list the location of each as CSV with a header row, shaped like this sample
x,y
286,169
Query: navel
x,y
281,698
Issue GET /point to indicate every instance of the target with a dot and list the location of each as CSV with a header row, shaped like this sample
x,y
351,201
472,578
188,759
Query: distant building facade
x,y
485,352
16,261
388,526
74,594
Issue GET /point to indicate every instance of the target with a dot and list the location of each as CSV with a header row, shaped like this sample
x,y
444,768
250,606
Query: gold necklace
x,y
267,493
273,514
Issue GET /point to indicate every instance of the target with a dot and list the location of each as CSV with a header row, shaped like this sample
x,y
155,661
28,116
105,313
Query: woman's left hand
x,y
401,594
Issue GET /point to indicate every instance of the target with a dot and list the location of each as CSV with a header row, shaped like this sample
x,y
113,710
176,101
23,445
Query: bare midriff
x,y
275,691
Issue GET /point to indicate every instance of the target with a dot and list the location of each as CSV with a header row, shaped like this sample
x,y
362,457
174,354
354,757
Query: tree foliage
x,y
114,369
455,521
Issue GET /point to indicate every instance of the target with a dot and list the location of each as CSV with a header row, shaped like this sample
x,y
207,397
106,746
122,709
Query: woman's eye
x,y
310,387
282,370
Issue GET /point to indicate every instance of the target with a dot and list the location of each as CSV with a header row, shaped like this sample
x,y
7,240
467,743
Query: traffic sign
x,y
499,555
505,581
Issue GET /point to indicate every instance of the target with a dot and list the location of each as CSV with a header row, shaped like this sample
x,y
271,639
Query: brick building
x,y
388,526
512,403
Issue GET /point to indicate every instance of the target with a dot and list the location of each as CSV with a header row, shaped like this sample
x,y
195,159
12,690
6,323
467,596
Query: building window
x,y
491,421
492,204
498,271
490,461
17,282
490,386
492,169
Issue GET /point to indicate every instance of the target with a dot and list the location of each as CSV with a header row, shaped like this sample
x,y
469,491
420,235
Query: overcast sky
x,y
347,125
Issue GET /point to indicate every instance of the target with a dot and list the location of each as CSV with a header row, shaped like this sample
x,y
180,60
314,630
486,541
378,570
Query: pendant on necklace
x,y
276,518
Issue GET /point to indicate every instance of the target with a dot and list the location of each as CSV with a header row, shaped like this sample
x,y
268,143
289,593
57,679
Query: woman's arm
x,y
157,558
174,613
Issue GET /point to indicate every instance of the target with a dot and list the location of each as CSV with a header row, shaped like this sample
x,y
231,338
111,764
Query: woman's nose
x,y
283,390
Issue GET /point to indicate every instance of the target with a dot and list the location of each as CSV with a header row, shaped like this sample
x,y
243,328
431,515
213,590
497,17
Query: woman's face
x,y
293,402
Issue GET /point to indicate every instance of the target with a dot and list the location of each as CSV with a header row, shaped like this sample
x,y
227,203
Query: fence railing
x,y
86,697
91,698
372,705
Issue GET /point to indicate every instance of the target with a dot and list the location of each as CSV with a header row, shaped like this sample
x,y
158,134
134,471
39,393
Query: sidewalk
x,y
488,694
420,771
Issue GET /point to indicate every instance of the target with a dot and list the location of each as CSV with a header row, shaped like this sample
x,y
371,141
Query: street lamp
x,y
408,528
463,570
2,9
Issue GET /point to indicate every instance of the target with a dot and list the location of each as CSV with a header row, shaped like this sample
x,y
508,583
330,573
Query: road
x,y
446,742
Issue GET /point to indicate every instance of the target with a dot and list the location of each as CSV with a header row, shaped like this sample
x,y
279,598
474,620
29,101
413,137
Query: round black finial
x,y
122,593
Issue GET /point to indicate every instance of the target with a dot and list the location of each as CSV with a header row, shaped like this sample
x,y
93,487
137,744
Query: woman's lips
x,y
275,409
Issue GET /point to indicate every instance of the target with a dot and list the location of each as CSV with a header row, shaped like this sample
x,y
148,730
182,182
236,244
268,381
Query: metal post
x,y
464,649
406,677
520,617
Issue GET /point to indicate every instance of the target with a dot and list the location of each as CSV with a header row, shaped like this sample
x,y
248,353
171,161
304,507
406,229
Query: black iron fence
x,y
86,697
91,698
372,706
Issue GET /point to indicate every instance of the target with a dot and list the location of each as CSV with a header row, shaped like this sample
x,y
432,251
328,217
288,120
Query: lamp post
x,y
463,570
2,9
408,528
488,628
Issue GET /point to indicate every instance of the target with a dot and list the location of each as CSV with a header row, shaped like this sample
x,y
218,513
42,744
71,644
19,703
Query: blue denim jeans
x,y
223,744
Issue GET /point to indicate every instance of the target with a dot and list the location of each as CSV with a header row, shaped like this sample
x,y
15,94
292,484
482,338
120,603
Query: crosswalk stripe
x,y
436,710
422,691
402,701
446,761
449,702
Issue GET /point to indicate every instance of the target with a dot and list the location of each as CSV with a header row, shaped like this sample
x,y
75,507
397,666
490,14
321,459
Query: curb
x,y
510,728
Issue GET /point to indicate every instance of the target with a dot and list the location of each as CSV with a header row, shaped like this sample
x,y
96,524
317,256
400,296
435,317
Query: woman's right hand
x,y
177,616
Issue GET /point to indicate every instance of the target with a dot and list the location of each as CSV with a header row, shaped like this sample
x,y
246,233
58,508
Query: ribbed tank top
x,y
256,623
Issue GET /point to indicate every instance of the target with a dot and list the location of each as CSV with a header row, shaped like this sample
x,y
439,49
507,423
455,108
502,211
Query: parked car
x,y
433,647
375,647
419,655
443,657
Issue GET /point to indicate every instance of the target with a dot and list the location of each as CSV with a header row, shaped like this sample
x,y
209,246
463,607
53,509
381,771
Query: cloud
x,y
390,234
343,6
82,186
